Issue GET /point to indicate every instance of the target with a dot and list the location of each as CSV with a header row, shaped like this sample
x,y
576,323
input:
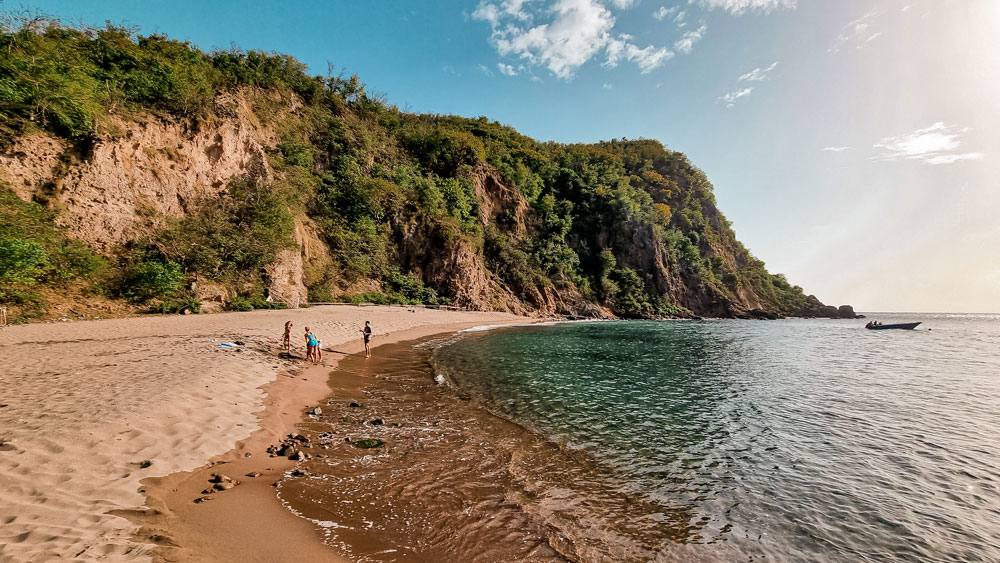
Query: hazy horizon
x,y
852,145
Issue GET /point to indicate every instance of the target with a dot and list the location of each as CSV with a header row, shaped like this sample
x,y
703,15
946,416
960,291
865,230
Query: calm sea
x,y
791,440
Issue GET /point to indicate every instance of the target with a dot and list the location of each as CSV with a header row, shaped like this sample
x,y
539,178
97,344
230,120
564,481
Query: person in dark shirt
x,y
367,332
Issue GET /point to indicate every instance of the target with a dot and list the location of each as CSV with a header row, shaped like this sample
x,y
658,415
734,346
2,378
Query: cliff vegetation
x,y
141,172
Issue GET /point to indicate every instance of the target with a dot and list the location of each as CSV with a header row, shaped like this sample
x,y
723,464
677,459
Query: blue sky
x,y
853,143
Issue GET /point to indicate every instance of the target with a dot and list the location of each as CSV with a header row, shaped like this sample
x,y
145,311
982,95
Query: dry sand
x,y
85,404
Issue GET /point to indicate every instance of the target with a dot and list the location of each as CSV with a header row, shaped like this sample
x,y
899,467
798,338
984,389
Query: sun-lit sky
x,y
854,144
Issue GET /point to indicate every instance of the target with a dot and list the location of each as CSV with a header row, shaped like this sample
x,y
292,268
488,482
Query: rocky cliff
x,y
236,185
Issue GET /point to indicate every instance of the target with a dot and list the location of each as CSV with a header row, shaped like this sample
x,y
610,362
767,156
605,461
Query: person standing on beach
x,y
310,345
286,341
367,332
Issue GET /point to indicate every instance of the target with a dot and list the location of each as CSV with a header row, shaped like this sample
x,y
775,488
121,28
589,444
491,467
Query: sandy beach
x,y
110,429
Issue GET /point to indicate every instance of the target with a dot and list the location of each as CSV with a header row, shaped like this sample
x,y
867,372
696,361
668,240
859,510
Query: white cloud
x,y
837,149
731,97
607,86
488,13
515,8
758,74
646,59
937,144
687,41
485,70
506,69
740,6
577,31
679,18
858,31
492,13
664,12
623,4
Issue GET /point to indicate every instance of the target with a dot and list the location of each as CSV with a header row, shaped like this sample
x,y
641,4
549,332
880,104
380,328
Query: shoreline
x,y
250,522
91,410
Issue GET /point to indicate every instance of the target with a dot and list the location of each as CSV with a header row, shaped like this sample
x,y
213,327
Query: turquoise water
x,y
791,440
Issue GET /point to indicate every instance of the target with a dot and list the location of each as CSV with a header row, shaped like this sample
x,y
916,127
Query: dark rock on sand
x,y
254,474
376,422
356,405
200,500
317,411
368,443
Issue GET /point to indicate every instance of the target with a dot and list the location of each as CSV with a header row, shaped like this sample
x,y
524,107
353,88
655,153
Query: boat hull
x,y
904,326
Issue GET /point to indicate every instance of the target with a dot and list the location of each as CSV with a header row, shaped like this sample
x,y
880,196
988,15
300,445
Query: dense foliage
x,y
34,253
627,225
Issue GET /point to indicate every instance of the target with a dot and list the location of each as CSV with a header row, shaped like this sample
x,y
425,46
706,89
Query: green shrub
x,y
174,307
147,278
321,294
391,298
235,235
21,261
412,290
259,303
239,304
296,153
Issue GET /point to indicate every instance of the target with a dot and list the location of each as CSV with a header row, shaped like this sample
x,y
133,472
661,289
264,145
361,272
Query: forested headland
x,y
140,173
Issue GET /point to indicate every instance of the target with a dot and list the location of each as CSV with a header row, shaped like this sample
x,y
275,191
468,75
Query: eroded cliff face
x,y
113,189
117,189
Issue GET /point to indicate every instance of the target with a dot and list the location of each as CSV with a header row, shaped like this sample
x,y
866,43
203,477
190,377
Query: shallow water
x,y
791,440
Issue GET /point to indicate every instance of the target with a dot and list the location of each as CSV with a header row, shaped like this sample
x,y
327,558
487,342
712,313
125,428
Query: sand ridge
x,y
87,403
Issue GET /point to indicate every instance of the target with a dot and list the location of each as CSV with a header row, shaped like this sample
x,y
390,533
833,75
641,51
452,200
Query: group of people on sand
x,y
314,346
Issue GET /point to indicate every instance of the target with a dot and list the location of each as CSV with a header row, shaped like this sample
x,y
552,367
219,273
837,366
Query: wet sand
x,y
452,480
96,415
